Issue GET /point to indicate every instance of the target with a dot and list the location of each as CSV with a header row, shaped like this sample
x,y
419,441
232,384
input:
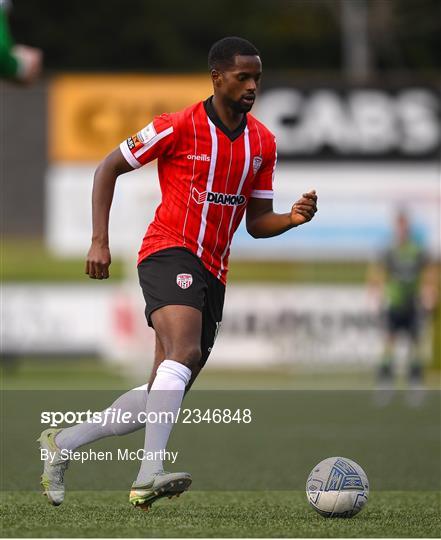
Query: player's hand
x,y
304,209
30,60
98,261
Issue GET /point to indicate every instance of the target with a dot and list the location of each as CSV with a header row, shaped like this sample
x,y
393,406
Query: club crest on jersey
x,y
257,162
184,280
225,199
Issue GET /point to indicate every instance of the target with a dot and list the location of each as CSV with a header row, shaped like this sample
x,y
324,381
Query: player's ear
x,y
216,77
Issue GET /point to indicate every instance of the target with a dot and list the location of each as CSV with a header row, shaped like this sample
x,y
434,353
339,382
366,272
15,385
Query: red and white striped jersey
x,y
207,174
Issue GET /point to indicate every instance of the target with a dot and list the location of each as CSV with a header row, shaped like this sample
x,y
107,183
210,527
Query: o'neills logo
x,y
225,199
200,157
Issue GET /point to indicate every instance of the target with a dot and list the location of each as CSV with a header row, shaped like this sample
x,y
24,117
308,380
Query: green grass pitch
x,y
217,514
413,514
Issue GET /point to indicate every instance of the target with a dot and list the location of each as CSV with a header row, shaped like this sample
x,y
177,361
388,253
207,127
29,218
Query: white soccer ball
x,y
337,487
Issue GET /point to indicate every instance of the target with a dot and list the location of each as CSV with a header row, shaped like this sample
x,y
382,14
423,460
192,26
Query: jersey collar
x,y
212,115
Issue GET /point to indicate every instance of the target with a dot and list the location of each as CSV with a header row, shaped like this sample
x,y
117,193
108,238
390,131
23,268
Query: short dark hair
x,y
222,53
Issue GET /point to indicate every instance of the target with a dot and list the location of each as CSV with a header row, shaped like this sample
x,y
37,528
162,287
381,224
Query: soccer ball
x,y
337,487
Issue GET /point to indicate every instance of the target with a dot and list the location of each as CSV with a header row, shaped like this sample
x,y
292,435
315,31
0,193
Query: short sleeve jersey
x,y
404,265
207,175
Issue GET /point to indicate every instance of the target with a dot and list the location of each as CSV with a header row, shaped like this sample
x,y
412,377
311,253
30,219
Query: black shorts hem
x,y
149,313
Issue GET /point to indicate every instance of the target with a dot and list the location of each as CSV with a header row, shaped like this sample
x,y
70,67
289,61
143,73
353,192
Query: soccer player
x,y
404,281
216,162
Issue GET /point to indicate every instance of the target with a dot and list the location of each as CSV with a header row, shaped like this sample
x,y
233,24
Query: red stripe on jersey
x,y
230,231
206,179
208,188
195,146
222,211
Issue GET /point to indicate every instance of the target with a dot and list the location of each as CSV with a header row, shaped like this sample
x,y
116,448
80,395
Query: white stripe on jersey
x,y
275,162
246,167
260,140
129,156
210,179
192,178
153,141
262,194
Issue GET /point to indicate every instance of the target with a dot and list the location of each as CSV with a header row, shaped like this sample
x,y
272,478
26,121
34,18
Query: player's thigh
x,y
393,322
179,330
404,321
413,325
174,287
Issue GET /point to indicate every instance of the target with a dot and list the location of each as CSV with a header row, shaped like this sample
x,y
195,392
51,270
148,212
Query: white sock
x,y
165,395
133,401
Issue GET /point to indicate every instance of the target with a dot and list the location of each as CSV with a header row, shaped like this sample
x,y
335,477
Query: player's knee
x,y
192,357
189,356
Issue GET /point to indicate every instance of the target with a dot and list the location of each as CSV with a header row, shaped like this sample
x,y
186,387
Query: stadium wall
x,y
23,158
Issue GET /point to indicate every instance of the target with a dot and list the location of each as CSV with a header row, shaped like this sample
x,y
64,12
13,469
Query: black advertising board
x,y
352,123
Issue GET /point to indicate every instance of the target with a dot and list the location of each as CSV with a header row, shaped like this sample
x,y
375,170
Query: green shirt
x,y
8,63
404,265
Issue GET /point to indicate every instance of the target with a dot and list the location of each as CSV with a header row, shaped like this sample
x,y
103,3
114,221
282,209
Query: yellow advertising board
x,y
89,115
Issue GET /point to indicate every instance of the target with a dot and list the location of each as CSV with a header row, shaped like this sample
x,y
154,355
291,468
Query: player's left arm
x,y
429,286
263,222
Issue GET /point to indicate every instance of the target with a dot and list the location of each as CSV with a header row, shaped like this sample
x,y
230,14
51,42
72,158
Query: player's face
x,y
238,85
402,229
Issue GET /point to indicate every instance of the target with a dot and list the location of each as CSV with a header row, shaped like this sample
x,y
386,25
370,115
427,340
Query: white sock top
x,y
171,367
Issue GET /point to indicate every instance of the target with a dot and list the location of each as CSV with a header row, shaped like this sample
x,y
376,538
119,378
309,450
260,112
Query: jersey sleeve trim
x,y
262,194
131,160
153,141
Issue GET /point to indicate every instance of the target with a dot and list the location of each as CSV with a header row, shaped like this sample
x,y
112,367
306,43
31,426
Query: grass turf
x,y
197,513
29,260
61,373
217,514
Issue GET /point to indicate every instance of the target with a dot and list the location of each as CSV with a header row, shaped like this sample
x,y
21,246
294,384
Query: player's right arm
x,y
429,286
154,140
98,258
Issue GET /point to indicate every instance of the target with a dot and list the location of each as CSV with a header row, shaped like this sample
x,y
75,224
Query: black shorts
x,y
176,276
405,320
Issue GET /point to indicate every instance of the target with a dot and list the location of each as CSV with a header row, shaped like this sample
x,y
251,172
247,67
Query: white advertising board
x,y
262,325
299,325
357,203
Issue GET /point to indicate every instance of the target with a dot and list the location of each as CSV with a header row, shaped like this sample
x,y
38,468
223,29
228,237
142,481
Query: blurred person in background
x,y
404,283
18,63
